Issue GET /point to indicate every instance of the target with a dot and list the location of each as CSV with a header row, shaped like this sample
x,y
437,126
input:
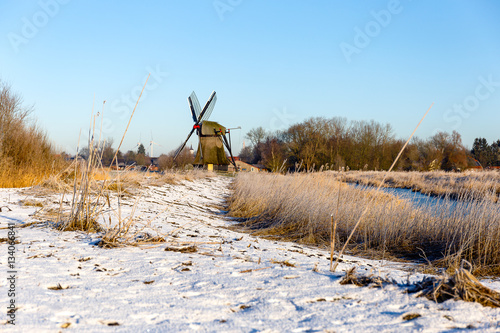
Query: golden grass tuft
x,y
31,203
56,183
182,249
58,287
462,285
351,277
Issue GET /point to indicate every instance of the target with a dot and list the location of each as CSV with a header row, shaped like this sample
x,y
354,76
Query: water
x,y
418,199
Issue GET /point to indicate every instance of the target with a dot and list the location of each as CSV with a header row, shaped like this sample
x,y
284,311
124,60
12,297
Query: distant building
x,y
245,167
121,164
153,164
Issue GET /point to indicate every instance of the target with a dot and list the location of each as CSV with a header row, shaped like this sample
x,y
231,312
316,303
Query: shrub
x,y
26,154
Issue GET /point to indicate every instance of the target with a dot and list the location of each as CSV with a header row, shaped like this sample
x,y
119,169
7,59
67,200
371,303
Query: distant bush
x,y
26,154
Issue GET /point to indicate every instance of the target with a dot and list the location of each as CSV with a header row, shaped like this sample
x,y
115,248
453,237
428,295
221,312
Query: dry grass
x,y
182,249
56,183
58,287
94,189
26,154
92,209
360,280
31,203
175,177
462,285
86,207
299,207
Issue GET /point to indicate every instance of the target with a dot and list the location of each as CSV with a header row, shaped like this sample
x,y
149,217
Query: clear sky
x,y
272,64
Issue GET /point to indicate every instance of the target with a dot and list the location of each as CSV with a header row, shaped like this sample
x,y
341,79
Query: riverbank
x,y
456,185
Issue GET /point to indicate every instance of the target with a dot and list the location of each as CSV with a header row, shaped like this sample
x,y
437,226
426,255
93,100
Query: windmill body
x,y
211,146
212,136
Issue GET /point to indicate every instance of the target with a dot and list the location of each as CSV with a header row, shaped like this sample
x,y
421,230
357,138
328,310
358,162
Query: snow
x,y
235,282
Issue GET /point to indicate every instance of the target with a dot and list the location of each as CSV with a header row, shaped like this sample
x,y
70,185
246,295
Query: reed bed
x,y
27,156
299,207
484,184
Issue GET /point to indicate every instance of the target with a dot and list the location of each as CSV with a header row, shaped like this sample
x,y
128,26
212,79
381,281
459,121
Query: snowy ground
x,y
233,283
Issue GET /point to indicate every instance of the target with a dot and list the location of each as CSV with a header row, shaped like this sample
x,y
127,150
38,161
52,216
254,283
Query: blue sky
x,y
272,63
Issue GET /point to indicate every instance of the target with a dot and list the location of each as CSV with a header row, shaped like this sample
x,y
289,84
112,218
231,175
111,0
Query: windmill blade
x,y
208,108
194,106
184,144
154,143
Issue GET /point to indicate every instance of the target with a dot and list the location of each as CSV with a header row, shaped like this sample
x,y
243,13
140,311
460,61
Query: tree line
x,y
105,152
487,155
336,143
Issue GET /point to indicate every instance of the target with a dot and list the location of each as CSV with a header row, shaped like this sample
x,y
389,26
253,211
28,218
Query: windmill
x,y
212,135
151,144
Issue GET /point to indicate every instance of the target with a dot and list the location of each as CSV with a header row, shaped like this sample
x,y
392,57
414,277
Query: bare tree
x,y
256,135
273,154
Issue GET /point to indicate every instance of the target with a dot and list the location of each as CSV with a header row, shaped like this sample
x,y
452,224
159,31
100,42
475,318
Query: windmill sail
x,y
209,107
194,105
183,144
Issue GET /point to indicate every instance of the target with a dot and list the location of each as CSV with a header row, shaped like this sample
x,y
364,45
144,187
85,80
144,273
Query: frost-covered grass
x,y
299,207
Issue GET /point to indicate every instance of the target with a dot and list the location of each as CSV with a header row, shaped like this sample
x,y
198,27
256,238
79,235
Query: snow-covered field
x,y
234,282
